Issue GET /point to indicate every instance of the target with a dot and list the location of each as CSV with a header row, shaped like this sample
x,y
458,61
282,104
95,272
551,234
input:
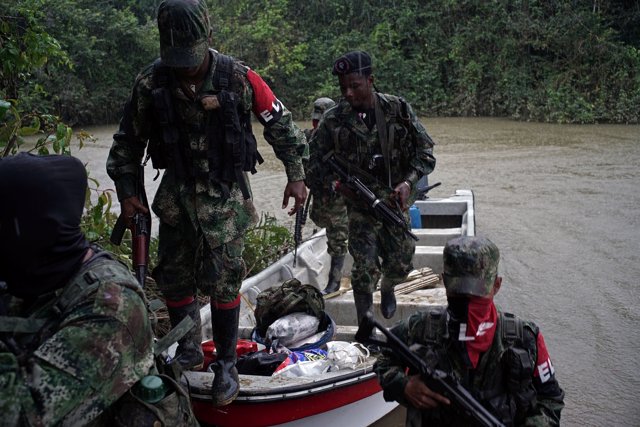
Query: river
x,y
561,202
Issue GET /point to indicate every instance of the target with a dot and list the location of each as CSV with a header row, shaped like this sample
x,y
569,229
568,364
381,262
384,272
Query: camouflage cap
x,y
470,265
184,32
321,105
352,62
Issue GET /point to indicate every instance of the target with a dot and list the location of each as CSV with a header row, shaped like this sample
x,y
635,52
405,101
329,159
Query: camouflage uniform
x,y
489,380
328,209
509,373
193,107
93,343
411,157
195,206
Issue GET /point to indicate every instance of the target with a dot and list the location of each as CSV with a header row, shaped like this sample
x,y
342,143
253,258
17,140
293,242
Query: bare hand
x,y
298,191
129,207
420,396
401,195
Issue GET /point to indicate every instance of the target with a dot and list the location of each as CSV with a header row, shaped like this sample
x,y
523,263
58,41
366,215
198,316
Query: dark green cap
x,y
321,105
356,61
184,32
470,266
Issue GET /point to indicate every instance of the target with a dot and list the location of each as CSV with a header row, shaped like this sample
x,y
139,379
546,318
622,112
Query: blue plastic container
x,y
414,214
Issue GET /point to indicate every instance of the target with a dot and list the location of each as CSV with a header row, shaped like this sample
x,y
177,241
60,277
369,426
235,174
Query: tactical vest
x,y
509,394
371,163
232,147
24,335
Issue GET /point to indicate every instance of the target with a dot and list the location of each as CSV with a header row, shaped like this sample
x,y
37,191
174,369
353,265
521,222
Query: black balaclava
x,y
41,204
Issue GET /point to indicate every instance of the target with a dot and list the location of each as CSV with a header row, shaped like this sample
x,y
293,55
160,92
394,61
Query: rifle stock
x,y
381,209
437,380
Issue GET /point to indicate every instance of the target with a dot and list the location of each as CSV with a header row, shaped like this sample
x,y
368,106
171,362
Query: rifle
x,y
140,231
301,220
437,380
381,209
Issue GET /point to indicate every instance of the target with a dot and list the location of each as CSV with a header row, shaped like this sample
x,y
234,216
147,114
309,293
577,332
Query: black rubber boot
x,y
364,304
388,303
226,385
189,352
335,274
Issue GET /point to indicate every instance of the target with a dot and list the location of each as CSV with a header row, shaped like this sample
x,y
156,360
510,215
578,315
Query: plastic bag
x,y
292,328
346,355
304,363
307,368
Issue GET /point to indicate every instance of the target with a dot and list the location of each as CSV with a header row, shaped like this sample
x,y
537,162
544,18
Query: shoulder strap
x,y
381,125
435,328
512,329
223,72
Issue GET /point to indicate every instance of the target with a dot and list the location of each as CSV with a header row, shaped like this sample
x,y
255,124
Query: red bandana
x,y
477,334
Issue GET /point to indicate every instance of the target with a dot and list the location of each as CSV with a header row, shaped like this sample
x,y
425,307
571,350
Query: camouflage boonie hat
x,y
184,32
470,266
321,105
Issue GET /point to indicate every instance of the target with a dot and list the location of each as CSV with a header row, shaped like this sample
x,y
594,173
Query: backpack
x,y
290,297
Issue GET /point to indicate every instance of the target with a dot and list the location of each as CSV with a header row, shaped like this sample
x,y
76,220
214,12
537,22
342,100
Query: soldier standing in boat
x,y
381,141
328,210
75,334
502,360
193,107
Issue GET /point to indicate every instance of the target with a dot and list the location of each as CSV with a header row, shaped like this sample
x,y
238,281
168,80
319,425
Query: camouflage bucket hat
x,y
470,266
184,32
321,105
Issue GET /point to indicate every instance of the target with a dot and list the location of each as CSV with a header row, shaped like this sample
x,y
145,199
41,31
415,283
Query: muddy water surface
x,y
562,203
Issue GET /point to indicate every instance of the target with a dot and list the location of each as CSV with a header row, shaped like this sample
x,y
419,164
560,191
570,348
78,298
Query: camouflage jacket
x,y
410,149
199,199
82,349
492,382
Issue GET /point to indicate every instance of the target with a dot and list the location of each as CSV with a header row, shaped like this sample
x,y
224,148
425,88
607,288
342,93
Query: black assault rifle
x,y
437,380
140,231
381,209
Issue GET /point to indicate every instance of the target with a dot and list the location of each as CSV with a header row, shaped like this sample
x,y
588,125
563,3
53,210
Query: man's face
x,y
357,90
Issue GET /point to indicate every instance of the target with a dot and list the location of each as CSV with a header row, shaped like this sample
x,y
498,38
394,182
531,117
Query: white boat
x,y
350,397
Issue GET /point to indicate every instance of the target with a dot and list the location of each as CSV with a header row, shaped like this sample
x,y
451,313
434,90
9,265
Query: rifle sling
x,y
381,125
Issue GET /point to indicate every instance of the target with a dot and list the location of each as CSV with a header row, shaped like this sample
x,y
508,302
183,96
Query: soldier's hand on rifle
x,y
401,194
422,397
130,206
298,191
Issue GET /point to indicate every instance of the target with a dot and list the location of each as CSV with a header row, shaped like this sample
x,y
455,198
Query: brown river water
x,y
560,201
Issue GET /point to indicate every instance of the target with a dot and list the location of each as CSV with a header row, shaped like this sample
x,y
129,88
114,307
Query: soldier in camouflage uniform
x,y
74,329
502,360
329,211
192,107
382,142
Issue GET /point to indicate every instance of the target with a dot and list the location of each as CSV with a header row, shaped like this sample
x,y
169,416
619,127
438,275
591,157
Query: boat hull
x,y
349,401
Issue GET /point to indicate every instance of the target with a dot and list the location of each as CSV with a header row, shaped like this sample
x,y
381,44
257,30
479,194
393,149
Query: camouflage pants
x,y
330,212
186,264
377,249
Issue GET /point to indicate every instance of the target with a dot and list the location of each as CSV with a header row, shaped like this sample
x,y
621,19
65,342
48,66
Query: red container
x,y
242,347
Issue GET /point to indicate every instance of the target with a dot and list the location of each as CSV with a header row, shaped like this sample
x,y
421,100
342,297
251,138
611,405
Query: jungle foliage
x,y
557,61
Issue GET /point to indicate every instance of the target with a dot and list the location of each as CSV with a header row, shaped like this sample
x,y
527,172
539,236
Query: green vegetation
x,y
266,243
556,61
